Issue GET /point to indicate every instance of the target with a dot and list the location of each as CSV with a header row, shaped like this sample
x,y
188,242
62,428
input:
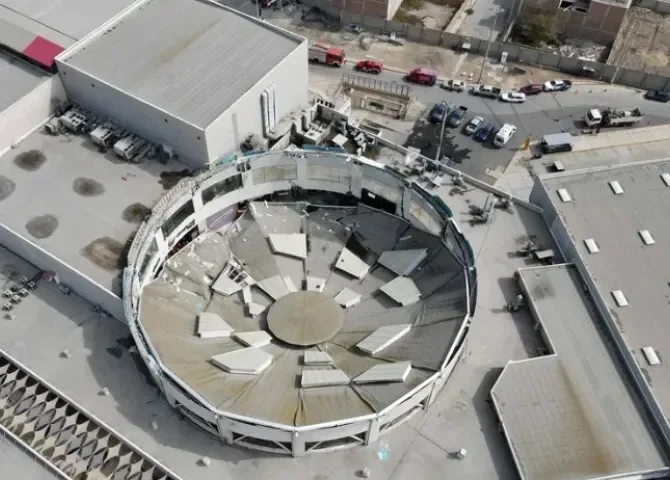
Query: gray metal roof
x,y
624,262
570,414
190,58
61,21
17,79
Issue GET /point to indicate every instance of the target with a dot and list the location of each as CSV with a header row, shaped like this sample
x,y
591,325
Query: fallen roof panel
x,y
385,373
315,377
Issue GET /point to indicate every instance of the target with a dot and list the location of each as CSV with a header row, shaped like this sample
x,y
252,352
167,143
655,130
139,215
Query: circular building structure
x,y
298,302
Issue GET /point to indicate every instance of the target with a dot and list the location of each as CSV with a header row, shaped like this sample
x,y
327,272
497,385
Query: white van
x,y
503,135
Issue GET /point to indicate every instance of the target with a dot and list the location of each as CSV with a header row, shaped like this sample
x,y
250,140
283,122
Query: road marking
x,y
459,64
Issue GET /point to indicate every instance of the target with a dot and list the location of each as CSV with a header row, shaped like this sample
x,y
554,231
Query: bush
x,y
469,11
411,4
536,30
403,17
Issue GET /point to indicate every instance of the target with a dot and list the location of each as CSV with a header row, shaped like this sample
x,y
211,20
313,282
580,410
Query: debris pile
x,y
584,50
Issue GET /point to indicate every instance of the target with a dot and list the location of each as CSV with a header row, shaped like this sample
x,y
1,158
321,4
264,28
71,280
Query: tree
x,y
537,29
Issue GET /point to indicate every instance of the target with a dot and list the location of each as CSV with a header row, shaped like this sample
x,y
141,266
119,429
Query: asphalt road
x,y
540,115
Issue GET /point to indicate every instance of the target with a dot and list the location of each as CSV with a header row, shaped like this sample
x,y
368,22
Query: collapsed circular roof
x,y
301,314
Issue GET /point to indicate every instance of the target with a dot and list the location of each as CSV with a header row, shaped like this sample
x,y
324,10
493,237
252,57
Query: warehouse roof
x,y
624,262
61,21
190,58
571,414
17,78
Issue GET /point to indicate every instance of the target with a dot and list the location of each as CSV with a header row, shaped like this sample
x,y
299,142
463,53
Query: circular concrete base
x,y
305,318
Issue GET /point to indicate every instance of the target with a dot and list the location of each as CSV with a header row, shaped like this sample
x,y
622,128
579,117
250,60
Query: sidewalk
x,y
618,138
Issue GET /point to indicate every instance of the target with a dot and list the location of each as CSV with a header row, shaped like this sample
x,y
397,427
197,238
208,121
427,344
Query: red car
x,y
532,89
370,66
424,76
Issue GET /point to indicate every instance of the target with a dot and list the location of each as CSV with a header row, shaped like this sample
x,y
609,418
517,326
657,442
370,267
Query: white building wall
x,y
290,79
147,121
30,112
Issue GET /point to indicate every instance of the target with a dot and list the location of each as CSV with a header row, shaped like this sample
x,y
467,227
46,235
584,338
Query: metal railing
x,y
379,86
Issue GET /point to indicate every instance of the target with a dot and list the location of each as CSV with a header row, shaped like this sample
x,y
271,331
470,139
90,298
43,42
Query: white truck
x,y
613,117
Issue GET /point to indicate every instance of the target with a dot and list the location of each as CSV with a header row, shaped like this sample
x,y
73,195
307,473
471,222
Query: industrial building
x,y
596,404
326,268
191,75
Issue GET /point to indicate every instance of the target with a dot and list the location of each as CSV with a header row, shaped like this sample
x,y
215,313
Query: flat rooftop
x,y
80,205
571,414
624,262
17,78
59,20
48,321
178,54
171,304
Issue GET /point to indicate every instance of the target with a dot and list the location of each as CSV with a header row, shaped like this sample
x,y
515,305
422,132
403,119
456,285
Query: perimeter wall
x,y
515,53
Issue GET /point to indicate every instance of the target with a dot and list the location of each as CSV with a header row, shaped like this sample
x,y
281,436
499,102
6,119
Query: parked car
x,y
439,112
370,66
484,133
424,76
532,89
504,134
473,125
657,96
453,85
513,97
557,85
456,116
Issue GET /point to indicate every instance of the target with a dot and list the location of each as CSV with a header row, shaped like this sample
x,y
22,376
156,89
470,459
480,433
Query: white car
x,y
513,97
453,85
504,134
556,85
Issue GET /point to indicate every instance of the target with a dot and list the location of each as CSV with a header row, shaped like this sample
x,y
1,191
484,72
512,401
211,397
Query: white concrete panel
x,y
323,378
291,244
255,309
351,264
347,298
210,325
247,361
255,339
274,286
403,290
315,284
385,373
313,358
382,338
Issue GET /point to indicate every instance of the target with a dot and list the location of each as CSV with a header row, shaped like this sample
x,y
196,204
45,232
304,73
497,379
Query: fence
x,y
515,53
380,86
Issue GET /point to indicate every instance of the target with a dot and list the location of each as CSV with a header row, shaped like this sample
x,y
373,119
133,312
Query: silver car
x,y
473,125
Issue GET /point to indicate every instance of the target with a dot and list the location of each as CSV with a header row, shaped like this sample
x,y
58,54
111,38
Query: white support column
x,y
356,180
161,243
373,432
224,430
301,169
298,446
436,388
406,201
201,221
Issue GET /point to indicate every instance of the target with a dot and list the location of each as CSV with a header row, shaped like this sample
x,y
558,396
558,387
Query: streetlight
x,y
488,44
439,145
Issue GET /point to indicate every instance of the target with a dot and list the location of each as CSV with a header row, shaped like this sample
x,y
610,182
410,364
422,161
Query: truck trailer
x,y
613,117
326,55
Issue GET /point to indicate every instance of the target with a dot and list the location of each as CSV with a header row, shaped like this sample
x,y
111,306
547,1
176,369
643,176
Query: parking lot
x,y
541,114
